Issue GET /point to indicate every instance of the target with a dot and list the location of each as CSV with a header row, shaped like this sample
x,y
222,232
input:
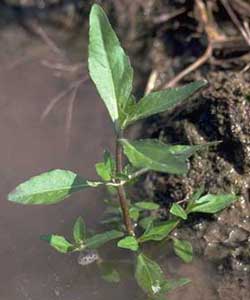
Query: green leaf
x,y
100,239
157,102
149,275
178,211
129,242
106,169
147,205
79,230
171,285
109,66
194,197
49,188
147,221
153,155
159,232
157,156
212,203
134,213
58,242
183,249
109,273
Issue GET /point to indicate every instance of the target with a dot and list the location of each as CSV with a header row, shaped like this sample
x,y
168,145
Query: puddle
x,y
30,270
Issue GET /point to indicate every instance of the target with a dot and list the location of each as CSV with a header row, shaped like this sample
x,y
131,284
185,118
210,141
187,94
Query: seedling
x,y
131,223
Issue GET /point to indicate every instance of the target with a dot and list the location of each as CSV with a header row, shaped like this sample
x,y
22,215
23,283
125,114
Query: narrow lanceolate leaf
x,y
109,66
157,102
147,205
106,168
79,230
100,239
178,211
149,276
58,242
49,188
153,155
159,232
157,156
183,249
171,284
129,242
212,203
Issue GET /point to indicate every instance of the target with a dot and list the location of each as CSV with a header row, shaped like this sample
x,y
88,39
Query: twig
x,y
70,114
211,35
168,16
120,188
235,20
61,95
44,36
199,62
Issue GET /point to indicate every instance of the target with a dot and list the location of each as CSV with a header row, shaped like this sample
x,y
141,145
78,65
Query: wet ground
x,y
30,270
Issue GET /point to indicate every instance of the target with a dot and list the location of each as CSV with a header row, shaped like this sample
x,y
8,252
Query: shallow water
x,y
29,268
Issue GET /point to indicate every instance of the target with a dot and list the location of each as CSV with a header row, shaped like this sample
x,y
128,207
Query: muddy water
x,y
30,270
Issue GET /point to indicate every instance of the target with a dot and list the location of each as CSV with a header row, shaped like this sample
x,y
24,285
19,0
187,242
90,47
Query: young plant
x,y
133,225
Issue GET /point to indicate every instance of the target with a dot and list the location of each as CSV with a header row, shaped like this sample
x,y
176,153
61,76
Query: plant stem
x,y
120,188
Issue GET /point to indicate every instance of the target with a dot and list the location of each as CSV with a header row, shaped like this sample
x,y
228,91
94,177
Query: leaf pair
x,y
112,74
81,241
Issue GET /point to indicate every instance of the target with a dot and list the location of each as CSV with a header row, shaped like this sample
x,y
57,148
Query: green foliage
x,y
157,156
109,273
109,67
134,213
158,232
106,169
212,203
149,276
131,223
183,249
79,231
147,205
178,211
49,188
161,101
129,242
100,239
58,242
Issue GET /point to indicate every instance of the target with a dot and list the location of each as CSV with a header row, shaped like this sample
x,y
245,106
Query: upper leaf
x,y
109,66
79,230
58,242
49,188
212,203
157,102
100,239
